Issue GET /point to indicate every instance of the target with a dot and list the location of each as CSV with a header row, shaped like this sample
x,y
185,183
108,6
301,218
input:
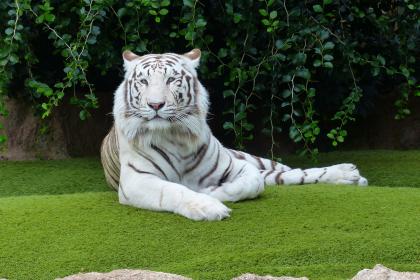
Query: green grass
x,y
58,218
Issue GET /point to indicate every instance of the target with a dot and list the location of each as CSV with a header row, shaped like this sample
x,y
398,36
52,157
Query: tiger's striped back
x,y
110,159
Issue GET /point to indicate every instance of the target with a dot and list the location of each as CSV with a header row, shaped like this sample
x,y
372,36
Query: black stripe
x,y
123,193
237,154
325,171
212,169
240,171
139,171
226,173
166,157
200,155
127,107
273,164
173,56
154,164
260,163
146,60
268,173
172,154
131,94
188,78
278,179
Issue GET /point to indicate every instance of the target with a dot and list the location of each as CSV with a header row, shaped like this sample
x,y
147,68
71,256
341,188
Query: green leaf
x,y
228,93
405,71
285,117
304,73
13,59
153,12
328,64
300,58
200,23
343,133
328,45
265,22
317,63
263,12
165,3
49,18
286,93
279,44
228,126
279,56
327,2
380,59
286,78
324,34
8,31
237,18
188,3
273,14
328,57
163,12
248,126
222,53
82,115
317,8
375,71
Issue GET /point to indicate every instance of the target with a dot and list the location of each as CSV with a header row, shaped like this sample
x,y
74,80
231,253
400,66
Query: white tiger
x,y
161,155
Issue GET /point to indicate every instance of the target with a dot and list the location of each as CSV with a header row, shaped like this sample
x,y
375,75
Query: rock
x,y
125,274
28,137
380,272
249,276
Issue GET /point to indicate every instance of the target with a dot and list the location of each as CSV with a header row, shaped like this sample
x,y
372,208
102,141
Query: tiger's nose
x,y
156,106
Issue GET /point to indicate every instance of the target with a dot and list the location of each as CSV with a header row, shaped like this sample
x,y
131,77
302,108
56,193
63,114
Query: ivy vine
x,y
272,58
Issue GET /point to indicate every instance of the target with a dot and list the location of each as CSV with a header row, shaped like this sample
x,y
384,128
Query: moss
x,y
59,218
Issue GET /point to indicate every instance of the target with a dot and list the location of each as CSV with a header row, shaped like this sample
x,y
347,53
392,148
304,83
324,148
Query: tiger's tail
x,y
110,159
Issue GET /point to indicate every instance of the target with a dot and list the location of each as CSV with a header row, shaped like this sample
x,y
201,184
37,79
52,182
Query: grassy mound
x,y
58,218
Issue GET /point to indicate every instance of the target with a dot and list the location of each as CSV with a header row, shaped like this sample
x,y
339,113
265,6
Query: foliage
x,y
281,60
69,221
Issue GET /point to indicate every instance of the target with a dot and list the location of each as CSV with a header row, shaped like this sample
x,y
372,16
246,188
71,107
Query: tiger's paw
x,y
345,173
203,207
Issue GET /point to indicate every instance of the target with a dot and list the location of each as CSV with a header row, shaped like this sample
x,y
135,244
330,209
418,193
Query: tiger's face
x,y
162,91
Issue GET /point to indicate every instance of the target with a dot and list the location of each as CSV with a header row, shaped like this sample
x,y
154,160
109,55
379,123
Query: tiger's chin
x,y
157,123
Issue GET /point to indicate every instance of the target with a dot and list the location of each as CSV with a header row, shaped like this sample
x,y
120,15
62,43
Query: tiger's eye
x,y
144,81
170,80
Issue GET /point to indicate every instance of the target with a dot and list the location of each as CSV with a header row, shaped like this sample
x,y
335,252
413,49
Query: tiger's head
x,y
160,93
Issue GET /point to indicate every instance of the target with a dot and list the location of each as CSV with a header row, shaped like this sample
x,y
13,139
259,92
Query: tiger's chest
x,y
194,167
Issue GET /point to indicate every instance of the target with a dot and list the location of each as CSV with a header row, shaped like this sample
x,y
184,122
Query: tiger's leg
x,y
344,173
143,189
258,162
244,182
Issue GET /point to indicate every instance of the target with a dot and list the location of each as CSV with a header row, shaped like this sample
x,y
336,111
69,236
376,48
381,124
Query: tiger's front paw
x,y
203,207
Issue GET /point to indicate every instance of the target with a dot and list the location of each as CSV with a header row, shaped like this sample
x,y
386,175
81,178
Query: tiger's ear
x,y
194,56
129,58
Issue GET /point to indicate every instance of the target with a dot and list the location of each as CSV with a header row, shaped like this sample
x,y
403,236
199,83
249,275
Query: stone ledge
x,y
379,272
